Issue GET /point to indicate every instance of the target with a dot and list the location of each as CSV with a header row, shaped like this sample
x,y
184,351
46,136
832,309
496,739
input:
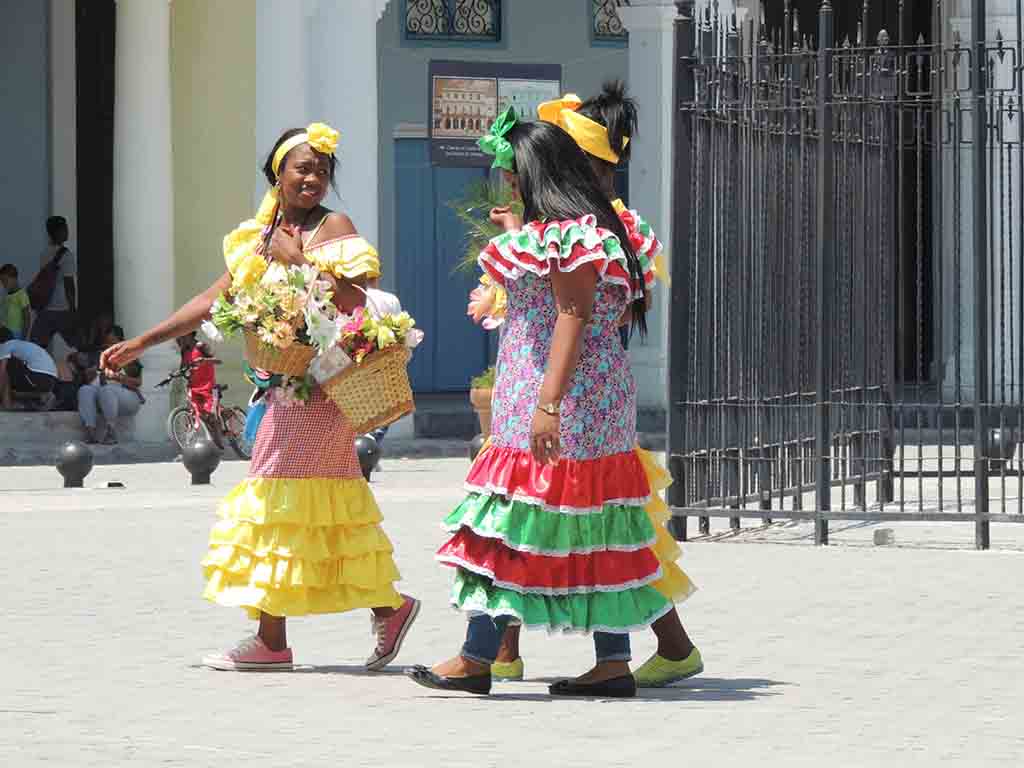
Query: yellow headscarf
x,y
591,136
241,246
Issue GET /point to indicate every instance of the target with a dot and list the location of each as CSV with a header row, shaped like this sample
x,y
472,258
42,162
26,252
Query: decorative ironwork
x,y
847,318
607,26
462,20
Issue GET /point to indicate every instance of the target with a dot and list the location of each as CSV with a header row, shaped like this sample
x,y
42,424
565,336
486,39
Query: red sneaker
x,y
391,633
250,655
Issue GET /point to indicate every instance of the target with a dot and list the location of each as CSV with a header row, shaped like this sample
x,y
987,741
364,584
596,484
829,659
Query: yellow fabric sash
x,y
591,136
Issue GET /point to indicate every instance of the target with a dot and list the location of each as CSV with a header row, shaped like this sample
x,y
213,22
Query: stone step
x,y
51,428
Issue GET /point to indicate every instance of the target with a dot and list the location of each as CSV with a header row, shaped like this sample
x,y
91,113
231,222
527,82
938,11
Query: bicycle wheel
x,y
234,430
182,427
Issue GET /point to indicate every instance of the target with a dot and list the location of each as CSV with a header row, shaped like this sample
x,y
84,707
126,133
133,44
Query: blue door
x,y
430,243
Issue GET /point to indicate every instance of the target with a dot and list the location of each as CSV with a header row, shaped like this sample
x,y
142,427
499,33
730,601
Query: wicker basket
x,y
292,361
375,392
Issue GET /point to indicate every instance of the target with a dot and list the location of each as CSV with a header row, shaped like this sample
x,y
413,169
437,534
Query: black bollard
x,y
74,462
368,453
201,458
475,446
1002,445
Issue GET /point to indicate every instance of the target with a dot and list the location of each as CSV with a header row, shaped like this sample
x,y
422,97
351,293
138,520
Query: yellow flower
x,y
322,138
248,271
385,337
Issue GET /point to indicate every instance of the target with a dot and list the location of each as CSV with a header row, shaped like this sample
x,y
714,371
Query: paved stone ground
x,y
846,656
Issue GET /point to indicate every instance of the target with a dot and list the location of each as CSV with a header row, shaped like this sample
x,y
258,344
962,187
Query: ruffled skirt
x,y
574,548
289,543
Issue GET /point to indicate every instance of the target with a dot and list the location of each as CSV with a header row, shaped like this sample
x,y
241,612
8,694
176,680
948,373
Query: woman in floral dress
x,y
553,531
602,126
301,534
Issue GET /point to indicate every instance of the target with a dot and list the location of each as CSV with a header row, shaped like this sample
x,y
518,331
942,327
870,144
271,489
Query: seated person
x,y
26,368
112,393
18,315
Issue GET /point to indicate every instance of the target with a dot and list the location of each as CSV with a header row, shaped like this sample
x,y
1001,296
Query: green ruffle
x,y
529,528
629,610
576,233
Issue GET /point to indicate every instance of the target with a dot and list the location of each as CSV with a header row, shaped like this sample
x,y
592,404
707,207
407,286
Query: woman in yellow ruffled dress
x,y
602,127
301,534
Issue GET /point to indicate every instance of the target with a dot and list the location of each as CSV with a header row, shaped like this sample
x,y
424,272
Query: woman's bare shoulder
x,y
336,224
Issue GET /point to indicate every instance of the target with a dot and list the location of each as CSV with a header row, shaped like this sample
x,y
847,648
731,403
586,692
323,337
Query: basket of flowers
x,y
366,374
286,317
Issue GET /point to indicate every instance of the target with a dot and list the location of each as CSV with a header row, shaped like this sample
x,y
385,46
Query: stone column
x,y
143,193
282,68
650,25
343,80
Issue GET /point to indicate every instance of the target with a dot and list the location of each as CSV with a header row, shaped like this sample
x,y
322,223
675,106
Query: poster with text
x,y
466,97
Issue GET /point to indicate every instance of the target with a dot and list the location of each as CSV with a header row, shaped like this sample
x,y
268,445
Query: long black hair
x,y
557,181
617,112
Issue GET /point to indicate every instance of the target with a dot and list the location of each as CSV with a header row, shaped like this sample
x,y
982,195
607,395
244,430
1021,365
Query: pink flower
x,y
486,306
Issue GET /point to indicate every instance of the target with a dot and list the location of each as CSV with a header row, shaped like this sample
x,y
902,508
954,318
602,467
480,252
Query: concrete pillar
x,y
143,193
955,300
283,41
650,174
343,80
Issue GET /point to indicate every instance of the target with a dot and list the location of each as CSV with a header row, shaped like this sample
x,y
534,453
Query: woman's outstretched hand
x,y
504,218
117,356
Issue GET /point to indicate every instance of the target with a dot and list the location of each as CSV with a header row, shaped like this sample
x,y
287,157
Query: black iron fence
x,y
848,295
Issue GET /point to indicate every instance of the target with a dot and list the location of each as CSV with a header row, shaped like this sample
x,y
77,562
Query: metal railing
x,y
847,322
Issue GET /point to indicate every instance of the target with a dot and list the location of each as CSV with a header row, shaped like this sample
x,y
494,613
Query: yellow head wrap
x,y
241,245
591,136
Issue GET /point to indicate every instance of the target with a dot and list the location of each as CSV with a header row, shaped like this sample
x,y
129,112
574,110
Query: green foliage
x,y
474,209
484,381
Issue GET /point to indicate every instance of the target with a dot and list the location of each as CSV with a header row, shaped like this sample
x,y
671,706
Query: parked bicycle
x,y
187,423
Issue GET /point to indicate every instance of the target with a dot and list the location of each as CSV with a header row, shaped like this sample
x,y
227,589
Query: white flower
x,y
276,274
322,326
212,332
413,337
329,364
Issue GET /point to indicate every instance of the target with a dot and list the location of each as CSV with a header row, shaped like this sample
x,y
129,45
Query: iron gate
x,y
848,302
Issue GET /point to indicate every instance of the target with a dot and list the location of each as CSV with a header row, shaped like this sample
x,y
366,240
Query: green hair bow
x,y
494,142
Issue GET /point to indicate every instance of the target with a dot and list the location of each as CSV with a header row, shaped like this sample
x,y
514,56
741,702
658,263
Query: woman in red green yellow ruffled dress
x,y
602,127
553,532
301,534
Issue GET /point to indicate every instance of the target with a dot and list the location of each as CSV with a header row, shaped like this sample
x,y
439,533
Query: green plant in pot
x,y
480,393
487,301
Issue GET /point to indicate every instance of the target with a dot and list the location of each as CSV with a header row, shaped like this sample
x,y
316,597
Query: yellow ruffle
x,y
348,257
241,244
674,584
295,547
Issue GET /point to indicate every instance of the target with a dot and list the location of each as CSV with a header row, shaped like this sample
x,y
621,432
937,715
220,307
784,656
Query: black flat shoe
x,y
478,684
623,687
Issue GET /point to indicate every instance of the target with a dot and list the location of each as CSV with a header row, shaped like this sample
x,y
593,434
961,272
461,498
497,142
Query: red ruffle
x,y
573,486
608,571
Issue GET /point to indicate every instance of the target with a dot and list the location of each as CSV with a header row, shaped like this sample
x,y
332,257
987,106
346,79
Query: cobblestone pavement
x,y
850,655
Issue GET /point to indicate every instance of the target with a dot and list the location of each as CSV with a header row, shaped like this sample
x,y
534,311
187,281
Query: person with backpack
x,y
53,291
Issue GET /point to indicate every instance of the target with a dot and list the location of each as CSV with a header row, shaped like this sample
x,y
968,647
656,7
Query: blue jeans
x,y
483,639
624,336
